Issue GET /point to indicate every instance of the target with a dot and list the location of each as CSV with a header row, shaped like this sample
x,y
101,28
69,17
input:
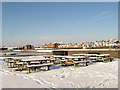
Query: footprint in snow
x,y
71,83
71,69
62,76
101,84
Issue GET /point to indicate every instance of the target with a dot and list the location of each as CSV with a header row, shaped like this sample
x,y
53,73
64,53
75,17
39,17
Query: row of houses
x,y
109,43
112,43
26,47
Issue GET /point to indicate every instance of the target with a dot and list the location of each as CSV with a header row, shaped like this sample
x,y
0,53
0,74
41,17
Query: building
x,y
28,47
53,45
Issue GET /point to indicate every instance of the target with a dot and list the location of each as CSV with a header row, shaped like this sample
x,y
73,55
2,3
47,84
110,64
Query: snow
x,y
96,75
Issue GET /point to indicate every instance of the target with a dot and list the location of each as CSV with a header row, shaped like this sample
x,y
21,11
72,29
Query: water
x,y
23,53
1,59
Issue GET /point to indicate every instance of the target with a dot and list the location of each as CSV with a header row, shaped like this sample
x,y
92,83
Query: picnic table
x,y
103,57
11,60
40,60
76,60
71,59
96,57
30,61
58,58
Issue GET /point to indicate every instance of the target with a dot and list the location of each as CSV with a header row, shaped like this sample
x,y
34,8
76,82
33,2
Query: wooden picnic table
x,y
75,57
28,61
58,58
103,57
11,60
74,60
95,56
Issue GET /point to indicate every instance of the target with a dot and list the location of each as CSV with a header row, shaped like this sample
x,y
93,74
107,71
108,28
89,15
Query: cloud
x,y
103,16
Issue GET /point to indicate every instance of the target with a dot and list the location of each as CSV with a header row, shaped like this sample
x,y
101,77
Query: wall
x,y
114,54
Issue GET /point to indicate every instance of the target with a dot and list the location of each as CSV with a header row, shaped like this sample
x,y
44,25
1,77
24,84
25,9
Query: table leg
x,y
48,67
67,62
49,61
28,70
75,65
40,62
85,62
10,65
7,63
13,64
54,61
18,66
103,59
96,59
59,60
28,63
110,58
22,66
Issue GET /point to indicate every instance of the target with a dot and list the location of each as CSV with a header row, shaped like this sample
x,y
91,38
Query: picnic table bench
x,y
11,62
24,64
78,62
74,60
33,61
39,65
103,57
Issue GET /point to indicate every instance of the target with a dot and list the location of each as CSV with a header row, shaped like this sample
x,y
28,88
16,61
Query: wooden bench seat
x,y
102,59
39,65
25,65
111,58
92,58
63,60
78,62
51,60
9,63
34,62
20,63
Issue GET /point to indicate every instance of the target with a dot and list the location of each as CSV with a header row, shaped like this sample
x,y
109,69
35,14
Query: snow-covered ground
x,y
96,75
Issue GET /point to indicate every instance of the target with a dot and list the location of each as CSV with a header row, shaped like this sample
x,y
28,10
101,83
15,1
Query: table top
x,y
102,55
105,54
91,54
85,54
59,56
93,57
30,59
75,57
47,56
